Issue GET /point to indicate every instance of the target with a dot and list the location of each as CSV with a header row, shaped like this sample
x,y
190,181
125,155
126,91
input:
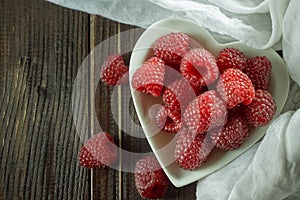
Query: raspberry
x,y
205,112
168,120
235,87
231,135
231,58
149,78
199,67
192,150
171,47
150,179
179,94
98,151
114,71
259,71
262,109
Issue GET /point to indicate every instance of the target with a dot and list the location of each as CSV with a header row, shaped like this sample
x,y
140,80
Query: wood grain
x,y
42,46
42,49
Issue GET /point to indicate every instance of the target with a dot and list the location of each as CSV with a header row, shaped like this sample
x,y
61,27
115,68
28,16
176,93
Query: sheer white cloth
x,y
268,170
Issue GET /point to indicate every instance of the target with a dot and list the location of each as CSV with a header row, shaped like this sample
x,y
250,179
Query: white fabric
x,y
275,169
257,23
270,169
271,174
290,40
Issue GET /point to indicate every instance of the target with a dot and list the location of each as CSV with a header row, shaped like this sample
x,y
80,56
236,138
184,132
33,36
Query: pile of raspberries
x,y
209,101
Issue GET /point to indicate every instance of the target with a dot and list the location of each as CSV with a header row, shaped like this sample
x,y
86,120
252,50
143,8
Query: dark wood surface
x,y
42,47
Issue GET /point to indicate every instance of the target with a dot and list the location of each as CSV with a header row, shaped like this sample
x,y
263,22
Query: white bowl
x,y
163,143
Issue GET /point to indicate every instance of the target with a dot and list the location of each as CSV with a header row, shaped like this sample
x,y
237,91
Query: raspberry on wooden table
x,y
235,87
262,109
150,179
259,71
205,112
98,151
149,78
114,71
171,47
192,150
199,67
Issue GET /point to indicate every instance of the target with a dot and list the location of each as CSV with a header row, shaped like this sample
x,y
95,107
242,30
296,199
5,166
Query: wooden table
x,y
42,46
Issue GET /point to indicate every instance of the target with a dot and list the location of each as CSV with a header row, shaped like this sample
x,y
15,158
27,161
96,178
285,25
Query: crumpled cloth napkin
x,y
257,23
270,169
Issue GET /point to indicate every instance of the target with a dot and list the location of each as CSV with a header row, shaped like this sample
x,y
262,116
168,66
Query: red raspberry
x,y
262,109
179,94
150,179
114,71
98,151
149,78
192,150
199,67
231,135
171,47
235,87
231,58
205,112
259,71
168,120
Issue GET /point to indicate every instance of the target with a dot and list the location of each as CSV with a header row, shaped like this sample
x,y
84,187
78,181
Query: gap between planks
x,y
120,119
91,88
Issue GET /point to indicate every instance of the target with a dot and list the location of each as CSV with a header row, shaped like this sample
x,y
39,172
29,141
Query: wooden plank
x,y
41,49
105,181
109,183
42,46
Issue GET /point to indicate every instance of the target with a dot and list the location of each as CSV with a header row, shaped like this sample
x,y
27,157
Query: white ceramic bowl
x,y
163,143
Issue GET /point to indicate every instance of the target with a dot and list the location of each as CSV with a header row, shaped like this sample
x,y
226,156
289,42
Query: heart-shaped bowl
x,y
162,143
